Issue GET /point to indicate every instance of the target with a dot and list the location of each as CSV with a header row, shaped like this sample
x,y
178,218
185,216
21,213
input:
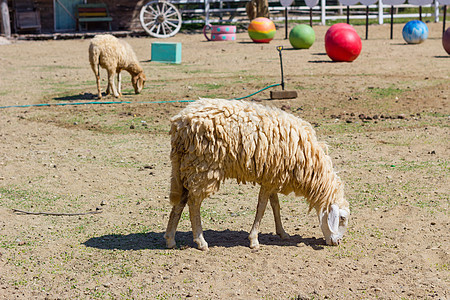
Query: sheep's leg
x,y
97,78
174,219
108,87
196,222
119,83
112,84
263,198
275,203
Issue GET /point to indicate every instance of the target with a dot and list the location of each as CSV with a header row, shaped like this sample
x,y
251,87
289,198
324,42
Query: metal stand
x,y
282,94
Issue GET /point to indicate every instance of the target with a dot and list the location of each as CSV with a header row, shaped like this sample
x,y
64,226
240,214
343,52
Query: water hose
x,y
126,102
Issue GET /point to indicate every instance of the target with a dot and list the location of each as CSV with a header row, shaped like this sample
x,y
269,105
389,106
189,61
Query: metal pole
x,y
285,23
348,14
420,13
392,21
445,15
367,22
280,48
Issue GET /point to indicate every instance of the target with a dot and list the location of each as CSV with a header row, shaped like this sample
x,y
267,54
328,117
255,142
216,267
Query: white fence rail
x,y
217,11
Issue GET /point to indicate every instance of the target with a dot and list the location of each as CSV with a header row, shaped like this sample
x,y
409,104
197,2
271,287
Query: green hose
x,y
126,102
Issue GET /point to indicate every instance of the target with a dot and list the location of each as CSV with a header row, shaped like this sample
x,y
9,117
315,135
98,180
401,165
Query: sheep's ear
x,y
333,219
321,214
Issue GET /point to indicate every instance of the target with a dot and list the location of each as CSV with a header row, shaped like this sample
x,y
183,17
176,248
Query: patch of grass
x,y
301,88
375,195
204,71
49,68
16,197
389,92
441,267
412,166
209,86
341,127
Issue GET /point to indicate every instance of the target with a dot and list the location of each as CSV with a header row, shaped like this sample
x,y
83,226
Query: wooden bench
x,y
93,12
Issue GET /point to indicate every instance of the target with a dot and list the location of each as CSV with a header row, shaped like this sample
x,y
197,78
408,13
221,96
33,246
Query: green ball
x,y
302,36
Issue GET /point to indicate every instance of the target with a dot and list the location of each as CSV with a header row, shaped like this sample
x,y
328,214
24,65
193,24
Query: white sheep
x,y
214,139
114,55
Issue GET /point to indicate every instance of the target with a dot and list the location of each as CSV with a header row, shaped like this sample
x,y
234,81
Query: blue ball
x,y
415,32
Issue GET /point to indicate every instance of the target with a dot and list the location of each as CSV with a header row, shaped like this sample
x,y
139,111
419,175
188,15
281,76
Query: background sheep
x,y
115,55
217,139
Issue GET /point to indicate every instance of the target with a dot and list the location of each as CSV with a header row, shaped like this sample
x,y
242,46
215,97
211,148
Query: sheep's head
x,y
334,223
138,81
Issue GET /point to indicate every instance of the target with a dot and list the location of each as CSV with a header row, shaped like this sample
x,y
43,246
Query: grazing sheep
x,y
114,55
214,139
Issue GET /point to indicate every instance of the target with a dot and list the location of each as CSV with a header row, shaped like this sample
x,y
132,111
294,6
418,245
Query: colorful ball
x,y
261,30
339,26
415,32
302,36
342,43
446,40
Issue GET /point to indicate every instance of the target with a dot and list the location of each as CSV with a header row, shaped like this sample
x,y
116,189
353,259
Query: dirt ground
x,y
385,117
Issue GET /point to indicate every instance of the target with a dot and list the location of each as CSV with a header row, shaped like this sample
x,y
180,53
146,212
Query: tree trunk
x,y
6,27
257,8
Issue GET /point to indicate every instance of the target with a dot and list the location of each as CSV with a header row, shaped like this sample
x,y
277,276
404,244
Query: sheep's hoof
x,y
284,236
170,243
254,245
202,245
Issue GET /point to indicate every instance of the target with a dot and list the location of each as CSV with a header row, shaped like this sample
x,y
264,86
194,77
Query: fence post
x,y
323,5
436,11
380,12
206,11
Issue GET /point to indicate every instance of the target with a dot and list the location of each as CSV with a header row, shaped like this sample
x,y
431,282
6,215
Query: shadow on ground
x,y
77,97
226,238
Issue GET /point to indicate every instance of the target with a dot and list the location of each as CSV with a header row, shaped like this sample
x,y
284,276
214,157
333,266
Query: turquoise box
x,y
166,52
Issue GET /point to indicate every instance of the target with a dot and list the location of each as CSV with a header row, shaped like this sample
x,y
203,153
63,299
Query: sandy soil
x,y
385,117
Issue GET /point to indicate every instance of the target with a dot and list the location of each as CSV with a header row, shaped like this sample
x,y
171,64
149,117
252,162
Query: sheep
x,y
114,55
213,140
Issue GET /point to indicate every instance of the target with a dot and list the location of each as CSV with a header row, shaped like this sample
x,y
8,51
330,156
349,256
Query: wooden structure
x,y
93,13
61,15
26,16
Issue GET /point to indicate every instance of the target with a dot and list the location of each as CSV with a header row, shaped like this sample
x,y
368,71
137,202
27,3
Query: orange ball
x,y
261,30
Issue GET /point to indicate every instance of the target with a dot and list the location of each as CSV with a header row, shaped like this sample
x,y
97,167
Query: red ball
x,y
446,40
342,43
338,26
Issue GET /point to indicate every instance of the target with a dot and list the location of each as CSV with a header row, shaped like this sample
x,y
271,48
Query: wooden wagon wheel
x,y
160,19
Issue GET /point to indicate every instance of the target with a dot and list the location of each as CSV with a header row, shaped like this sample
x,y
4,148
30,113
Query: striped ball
x,y
261,30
